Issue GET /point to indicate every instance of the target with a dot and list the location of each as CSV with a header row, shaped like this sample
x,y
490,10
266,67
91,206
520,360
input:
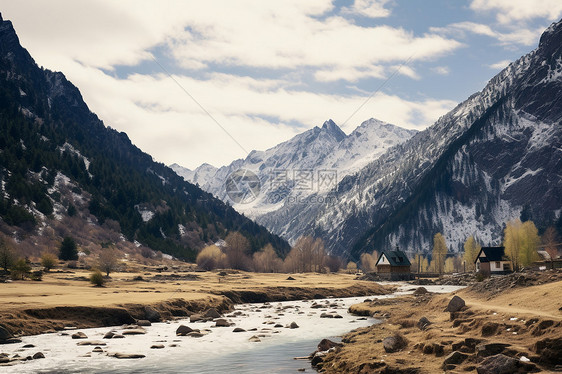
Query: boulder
x,y
183,330
489,328
394,343
454,358
423,323
79,335
144,322
133,332
196,317
117,336
420,291
109,335
38,355
97,350
91,342
196,334
127,355
4,334
455,304
152,314
498,364
29,346
550,350
293,325
212,313
326,344
254,339
238,329
221,322
490,349
157,346
326,315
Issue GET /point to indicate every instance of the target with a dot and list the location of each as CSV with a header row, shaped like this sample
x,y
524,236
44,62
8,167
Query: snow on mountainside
x,y
308,164
469,173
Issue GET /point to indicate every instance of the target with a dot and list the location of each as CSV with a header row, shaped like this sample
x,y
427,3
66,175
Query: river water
x,y
220,351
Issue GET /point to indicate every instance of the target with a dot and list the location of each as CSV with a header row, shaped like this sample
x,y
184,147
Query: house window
x,y
498,265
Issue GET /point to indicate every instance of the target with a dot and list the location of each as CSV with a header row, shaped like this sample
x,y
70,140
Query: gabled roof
x,y
488,254
396,258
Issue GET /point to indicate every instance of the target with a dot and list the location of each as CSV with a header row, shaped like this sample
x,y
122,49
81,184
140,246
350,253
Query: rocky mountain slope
x,y
475,168
63,172
309,164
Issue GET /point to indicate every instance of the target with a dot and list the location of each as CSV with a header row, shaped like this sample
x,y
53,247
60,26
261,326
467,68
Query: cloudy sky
x,y
207,81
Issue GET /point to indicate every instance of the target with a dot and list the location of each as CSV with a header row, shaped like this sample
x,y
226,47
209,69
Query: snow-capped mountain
x,y
311,163
470,172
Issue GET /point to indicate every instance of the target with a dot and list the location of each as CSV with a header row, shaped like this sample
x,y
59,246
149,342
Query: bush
x,y
48,261
20,270
37,275
210,258
96,278
480,277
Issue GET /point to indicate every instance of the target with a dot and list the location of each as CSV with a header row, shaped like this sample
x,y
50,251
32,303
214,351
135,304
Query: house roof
x,y
488,254
396,258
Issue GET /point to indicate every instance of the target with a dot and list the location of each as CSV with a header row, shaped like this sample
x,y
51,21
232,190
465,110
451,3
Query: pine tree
x,y
68,249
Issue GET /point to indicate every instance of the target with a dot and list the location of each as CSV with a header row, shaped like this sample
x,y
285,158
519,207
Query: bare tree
x,y
266,260
7,255
550,242
108,259
237,251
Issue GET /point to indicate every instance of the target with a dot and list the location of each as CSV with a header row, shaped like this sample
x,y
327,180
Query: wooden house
x,y
492,260
393,265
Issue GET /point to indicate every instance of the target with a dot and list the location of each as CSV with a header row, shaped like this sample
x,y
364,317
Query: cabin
x,y
393,265
492,260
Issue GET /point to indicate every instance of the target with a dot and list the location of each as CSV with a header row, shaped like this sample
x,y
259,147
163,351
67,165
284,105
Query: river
x,y
221,350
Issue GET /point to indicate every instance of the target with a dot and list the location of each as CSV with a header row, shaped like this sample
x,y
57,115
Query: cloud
x,y
442,70
521,35
368,8
500,64
509,11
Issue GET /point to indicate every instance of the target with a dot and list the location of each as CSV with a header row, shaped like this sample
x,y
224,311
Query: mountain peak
x,y
331,127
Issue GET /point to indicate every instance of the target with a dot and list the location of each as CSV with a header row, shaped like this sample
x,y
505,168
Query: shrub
x,y
37,275
48,261
96,278
210,258
480,277
20,269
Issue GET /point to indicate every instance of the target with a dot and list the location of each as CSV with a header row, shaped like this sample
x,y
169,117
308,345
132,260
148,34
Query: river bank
x,y
517,317
67,299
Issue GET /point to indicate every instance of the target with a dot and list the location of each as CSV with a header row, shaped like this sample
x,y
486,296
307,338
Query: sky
x,y
195,82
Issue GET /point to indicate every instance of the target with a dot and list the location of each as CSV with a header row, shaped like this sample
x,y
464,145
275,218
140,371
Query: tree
x,y
211,257
351,267
439,252
237,251
266,260
368,261
7,256
68,249
550,242
333,263
521,241
471,250
48,261
307,255
20,269
108,260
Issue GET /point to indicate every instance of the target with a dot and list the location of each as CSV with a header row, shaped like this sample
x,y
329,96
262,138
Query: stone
x,y
420,291
490,349
455,304
38,355
438,349
326,344
5,334
144,322
157,346
212,313
195,318
423,323
289,278
134,332
550,350
109,335
238,329
394,343
498,364
195,334
278,325
326,315
29,346
254,339
79,335
293,325
97,350
127,355
183,330
91,342
489,328
117,336
427,349
152,314
221,322
454,358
